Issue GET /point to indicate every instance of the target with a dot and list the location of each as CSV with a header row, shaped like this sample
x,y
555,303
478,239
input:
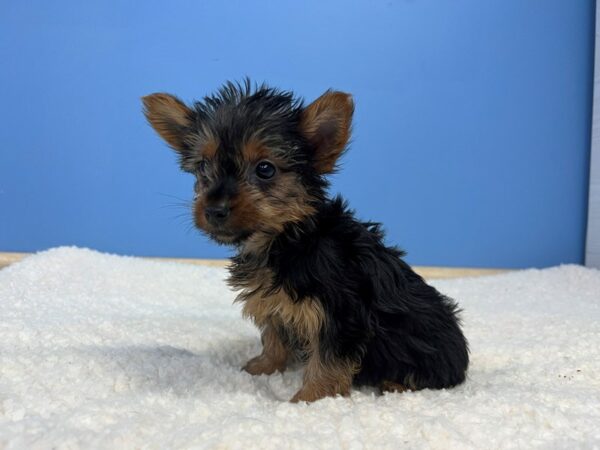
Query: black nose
x,y
216,215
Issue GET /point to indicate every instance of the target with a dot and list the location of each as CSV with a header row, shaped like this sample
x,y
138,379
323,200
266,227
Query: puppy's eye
x,y
202,165
265,170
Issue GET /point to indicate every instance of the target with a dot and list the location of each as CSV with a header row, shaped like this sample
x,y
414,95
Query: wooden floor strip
x,y
425,271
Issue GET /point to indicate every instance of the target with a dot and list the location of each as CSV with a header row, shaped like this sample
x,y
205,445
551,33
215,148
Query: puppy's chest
x,y
303,318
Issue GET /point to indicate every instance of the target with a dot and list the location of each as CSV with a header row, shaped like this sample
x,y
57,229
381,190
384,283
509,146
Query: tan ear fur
x,y
326,123
169,116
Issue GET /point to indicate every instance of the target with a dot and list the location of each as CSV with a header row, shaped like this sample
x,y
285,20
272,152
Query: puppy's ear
x,y
170,117
326,124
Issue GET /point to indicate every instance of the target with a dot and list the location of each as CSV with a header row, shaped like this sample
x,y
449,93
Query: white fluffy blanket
x,y
103,351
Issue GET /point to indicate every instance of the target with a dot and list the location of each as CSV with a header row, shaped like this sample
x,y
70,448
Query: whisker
x,y
173,196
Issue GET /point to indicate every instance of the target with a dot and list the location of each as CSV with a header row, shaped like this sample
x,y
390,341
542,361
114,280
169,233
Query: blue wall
x,y
471,131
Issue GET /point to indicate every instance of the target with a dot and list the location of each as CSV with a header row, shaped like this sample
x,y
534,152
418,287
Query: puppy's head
x,y
259,156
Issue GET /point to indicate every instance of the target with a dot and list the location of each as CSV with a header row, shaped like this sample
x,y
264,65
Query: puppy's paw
x,y
309,395
304,395
392,386
263,365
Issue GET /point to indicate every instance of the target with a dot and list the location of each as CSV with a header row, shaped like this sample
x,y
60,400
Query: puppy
x,y
320,284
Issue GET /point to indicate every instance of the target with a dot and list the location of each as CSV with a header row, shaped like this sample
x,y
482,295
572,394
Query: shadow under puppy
x,y
318,283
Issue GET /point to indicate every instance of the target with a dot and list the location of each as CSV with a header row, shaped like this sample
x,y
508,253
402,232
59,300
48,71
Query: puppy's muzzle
x,y
216,215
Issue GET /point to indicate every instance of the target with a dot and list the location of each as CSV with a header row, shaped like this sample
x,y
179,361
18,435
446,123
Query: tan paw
x,y
262,365
391,386
309,395
304,396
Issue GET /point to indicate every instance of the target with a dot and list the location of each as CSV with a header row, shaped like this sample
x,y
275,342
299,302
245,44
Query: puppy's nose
x,y
216,215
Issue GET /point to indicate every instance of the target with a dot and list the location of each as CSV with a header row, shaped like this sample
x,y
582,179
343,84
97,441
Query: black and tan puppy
x,y
318,283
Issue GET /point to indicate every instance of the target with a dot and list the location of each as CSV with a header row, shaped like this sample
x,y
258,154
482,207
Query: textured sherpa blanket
x,y
104,351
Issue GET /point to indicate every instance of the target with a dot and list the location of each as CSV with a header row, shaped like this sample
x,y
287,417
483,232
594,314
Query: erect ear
x,y
169,117
326,124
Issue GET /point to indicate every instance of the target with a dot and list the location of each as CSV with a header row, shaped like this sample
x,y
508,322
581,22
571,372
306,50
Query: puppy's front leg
x,y
273,357
325,378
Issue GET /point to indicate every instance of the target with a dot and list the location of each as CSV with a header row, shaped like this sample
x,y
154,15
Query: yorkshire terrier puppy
x,y
321,285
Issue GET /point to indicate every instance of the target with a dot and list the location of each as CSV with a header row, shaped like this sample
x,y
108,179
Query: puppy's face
x,y
259,156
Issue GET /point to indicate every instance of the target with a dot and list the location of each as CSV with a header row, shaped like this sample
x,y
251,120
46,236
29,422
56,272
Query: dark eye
x,y
265,170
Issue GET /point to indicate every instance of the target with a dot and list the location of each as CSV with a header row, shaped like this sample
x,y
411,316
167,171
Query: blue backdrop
x,y
472,122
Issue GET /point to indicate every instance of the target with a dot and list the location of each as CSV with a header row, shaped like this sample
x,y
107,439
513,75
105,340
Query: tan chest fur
x,y
305,317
